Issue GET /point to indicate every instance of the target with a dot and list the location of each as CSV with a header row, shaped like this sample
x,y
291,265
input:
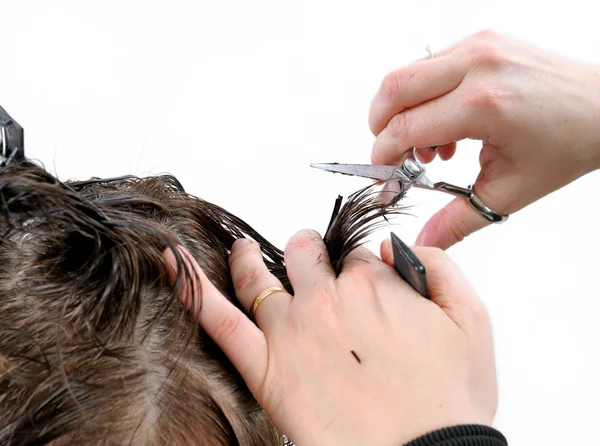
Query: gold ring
x,y
262,296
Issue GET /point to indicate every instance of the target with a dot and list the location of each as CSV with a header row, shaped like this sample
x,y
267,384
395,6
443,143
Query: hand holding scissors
x,y
536,115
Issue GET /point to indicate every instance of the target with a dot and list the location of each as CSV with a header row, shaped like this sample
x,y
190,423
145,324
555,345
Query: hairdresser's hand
x,y
360,359
537,115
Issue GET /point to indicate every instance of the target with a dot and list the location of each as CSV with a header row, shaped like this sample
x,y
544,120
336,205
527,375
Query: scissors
x,y
411,173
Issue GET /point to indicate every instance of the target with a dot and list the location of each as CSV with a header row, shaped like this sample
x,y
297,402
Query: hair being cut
x,y
95,347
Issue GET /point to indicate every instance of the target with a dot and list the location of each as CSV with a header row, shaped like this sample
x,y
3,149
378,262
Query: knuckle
x,y
458,231
241,251
488,154
303,239
226,326
378,152
249,278
487,98
396,82
487,34
390,85
399,126
487,54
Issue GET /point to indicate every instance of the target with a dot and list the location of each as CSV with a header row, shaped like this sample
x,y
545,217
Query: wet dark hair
x,y
95,348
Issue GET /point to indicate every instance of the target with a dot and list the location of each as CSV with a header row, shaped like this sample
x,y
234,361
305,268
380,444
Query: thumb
x,y
498,186
451,225
450,290
448,287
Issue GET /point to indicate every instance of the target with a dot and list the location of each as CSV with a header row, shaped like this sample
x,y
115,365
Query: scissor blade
x,y
383,173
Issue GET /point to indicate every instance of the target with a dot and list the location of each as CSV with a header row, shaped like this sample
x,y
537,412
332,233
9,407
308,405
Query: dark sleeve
x,y
462,435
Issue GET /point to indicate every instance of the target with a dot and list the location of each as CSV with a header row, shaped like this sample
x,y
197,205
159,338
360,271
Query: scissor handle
x,y
473,199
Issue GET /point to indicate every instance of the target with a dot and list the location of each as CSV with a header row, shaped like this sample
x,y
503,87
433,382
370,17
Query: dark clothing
x,y
463,435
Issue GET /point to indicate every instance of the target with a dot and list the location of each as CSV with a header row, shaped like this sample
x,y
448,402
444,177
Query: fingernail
x,y
241,241
169,257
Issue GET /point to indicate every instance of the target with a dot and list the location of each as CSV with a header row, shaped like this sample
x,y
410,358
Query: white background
x,y
237,98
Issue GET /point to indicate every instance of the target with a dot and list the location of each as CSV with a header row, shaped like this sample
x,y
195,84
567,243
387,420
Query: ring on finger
x,y
431,53
262,296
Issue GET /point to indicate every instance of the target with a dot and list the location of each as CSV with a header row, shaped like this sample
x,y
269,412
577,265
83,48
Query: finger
x,y
446,151
448,287
250,277
359,258
438,53
242,342
499,186
307,261
426,154
413,85
361,254
386,252
441,121
451,225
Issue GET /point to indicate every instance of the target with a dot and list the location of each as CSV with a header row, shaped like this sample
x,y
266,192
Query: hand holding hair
x,y
357,358
536,114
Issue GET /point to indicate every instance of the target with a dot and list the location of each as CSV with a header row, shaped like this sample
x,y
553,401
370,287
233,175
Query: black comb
x,y
409,266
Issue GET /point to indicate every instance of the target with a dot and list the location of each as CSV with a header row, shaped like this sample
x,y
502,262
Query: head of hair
x,y
95,347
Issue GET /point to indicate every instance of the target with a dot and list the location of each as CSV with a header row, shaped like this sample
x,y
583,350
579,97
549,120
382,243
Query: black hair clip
x,y
11,140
